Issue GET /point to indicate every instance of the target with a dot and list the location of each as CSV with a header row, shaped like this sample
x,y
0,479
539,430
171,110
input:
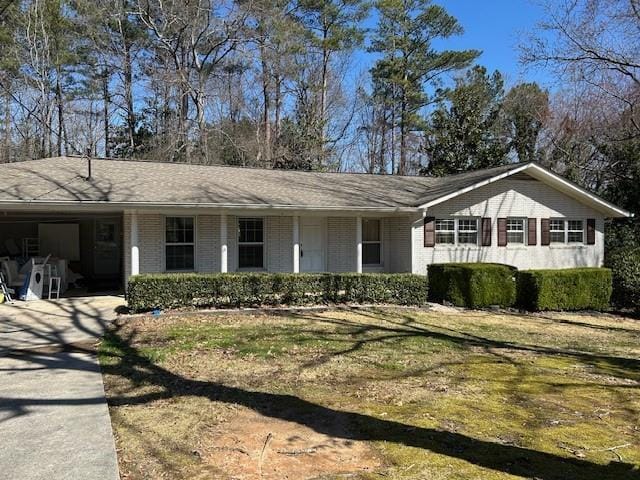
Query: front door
x,y
106,255
312,258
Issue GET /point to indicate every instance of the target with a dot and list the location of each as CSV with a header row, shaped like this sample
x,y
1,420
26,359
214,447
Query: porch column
x,y
296,244
223,243
359,244
135,252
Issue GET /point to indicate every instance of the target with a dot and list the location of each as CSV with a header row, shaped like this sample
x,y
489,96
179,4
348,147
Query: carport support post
x,y
135,251
223,244
359,244
296,244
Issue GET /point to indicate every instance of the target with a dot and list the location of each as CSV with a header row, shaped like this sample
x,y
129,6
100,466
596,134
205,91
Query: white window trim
x,y
582,222
263,243
454,231
194,243
564,231
381,242
477,232
524,231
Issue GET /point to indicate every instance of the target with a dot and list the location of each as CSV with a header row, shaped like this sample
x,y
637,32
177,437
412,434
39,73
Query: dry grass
x,y
401,394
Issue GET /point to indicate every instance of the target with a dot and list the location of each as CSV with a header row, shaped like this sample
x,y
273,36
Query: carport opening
x,y
84,250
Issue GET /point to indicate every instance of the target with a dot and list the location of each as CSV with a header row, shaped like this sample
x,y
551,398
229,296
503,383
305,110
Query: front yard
x,y
375,394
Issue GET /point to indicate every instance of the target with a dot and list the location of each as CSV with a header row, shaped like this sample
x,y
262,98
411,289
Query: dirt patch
x,y
251,446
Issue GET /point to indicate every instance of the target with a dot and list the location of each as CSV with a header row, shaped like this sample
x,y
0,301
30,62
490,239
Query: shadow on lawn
x,y
127,362
509,459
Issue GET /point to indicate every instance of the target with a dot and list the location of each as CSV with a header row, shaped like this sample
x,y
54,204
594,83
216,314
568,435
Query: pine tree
x,y
464,132
410,63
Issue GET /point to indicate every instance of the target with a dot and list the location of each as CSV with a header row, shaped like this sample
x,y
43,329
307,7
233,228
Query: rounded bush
x,y
625,267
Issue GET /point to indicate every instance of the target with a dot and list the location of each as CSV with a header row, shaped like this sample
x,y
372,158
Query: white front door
x,y
312,245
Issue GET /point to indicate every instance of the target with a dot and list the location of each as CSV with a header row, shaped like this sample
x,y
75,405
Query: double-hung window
x,y
468,231
515,230
446,231
556,231
251,243
179,243
371,242
575,231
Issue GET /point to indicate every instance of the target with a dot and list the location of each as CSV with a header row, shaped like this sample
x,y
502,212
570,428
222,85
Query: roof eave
x,y
101,205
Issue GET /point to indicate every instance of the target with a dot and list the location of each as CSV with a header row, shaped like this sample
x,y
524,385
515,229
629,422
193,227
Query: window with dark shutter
x,y
591,231
545,233
502,232
532,231
429,231
486,232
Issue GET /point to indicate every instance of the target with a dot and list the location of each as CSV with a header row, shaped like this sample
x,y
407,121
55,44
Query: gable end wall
x,y
512,198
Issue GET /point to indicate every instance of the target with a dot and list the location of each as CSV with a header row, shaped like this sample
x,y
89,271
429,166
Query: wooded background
x,y
275,84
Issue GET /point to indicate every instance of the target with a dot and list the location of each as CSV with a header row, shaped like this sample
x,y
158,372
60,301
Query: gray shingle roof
x,y
63,179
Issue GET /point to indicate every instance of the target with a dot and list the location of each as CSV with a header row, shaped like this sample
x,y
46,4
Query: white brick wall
x,y
518,198
512,198
279,244
341,244
397,244
208,243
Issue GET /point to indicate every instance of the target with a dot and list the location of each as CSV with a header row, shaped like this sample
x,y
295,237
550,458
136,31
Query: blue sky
x,y
496,27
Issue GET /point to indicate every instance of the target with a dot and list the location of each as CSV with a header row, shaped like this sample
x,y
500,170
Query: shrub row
x,y
572,289
477,285
472,285
625,267
219,290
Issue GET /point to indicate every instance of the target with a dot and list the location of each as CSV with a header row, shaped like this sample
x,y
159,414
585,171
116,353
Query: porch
x,y
236,241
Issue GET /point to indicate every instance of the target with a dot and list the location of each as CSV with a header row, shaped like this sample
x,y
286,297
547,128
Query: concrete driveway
x,y
54,420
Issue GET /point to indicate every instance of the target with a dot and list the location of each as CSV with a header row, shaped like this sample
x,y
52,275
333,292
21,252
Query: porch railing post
x,y
359,244
135,249
223,244
296,244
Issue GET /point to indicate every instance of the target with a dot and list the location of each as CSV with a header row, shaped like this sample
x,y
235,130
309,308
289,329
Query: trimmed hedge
x,y
568,289
219,290
472,285
625,269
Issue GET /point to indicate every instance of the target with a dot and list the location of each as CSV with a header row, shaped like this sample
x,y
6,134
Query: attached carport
x,y
90,243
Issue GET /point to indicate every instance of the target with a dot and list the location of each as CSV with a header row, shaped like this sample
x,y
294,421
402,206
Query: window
x,y
468,231
179,243
575,231
445,231
371,242
515,230
556,231
250,243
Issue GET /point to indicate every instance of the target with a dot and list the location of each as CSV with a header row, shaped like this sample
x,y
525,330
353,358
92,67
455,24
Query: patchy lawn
x,y
371,394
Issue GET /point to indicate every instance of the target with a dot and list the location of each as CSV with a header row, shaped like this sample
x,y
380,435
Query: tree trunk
x,y
105,110
6,157
323,101
59,132
277,106
403,134
266,112
127,74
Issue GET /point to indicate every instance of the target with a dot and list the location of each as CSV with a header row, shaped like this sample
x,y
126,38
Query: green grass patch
x,y
399,394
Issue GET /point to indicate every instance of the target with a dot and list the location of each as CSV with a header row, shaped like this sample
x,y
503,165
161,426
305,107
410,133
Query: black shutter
x,y
545,233
502,232
532,237
429,231
591,231
486,232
